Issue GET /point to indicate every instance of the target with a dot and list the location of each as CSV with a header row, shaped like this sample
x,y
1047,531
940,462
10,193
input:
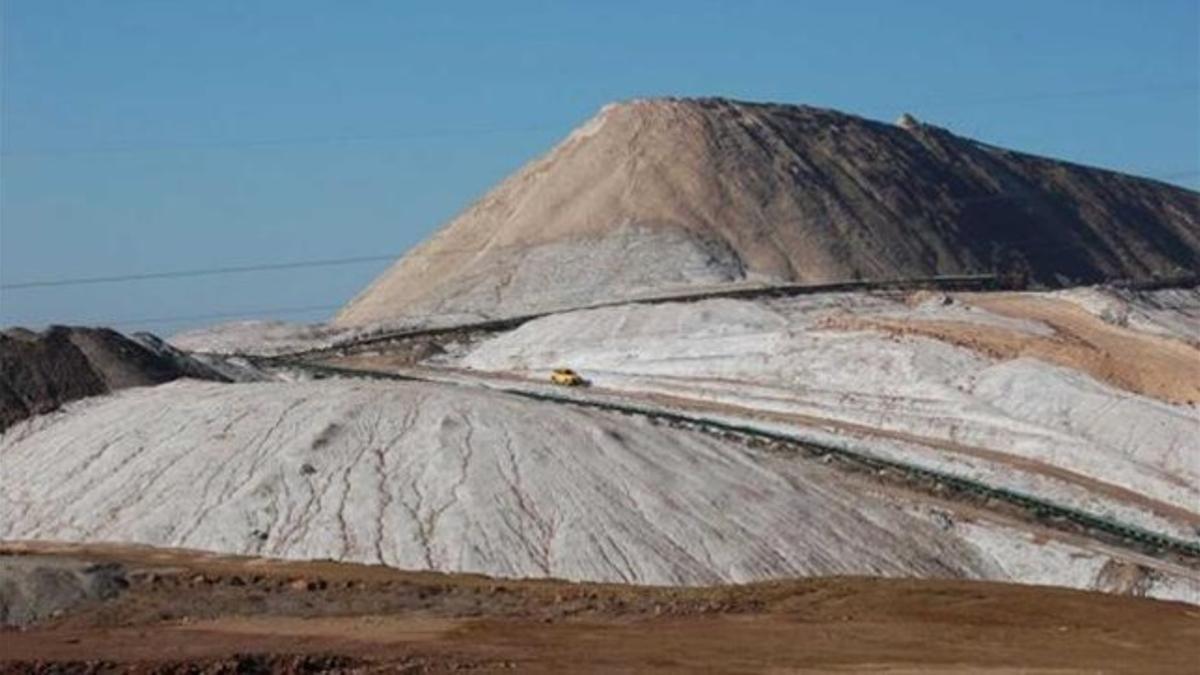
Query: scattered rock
x,y
35,588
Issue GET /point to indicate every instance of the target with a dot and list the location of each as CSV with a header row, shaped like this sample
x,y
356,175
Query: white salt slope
x,y
257,337
434,477
774,356
1172,312
437,477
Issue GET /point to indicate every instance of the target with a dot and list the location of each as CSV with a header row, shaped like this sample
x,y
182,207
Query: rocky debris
x,y
34,588
41,371
201,366
236,664
662,195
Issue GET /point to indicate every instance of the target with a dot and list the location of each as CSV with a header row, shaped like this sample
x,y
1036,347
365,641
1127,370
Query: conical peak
x,y
659,106
656,194
633,122
702,105
676,117
643,122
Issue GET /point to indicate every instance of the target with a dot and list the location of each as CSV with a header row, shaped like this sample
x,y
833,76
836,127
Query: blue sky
x,y
149,135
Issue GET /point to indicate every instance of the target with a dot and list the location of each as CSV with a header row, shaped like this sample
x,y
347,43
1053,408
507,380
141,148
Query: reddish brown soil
x,y
189,612
1139,362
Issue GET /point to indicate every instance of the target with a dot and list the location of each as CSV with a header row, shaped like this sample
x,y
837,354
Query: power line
x,y
487,131
273,142
263,267
1177,174
222,315
314,308
210,271
1178,87
442,251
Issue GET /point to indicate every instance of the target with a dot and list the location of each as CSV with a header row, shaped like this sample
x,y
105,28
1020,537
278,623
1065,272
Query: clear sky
x,y
156,135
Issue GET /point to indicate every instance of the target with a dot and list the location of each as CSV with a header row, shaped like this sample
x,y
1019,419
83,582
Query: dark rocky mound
x,y
666,194
41,371
34,588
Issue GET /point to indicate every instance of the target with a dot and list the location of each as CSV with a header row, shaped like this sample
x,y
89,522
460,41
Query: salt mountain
x,y
657,196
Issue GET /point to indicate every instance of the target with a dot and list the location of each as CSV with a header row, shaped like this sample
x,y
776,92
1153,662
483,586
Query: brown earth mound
x,y
41,371
190,612
658,195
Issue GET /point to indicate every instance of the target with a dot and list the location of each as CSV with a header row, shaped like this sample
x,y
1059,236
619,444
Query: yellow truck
x,y
566,378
